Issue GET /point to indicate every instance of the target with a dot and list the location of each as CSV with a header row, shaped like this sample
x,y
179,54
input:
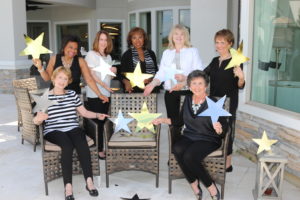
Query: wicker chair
x,y
30,84
136,152
215,162
51,155
29,130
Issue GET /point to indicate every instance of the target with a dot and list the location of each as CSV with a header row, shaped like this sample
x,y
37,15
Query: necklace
x,y
65,64
196,106
221,59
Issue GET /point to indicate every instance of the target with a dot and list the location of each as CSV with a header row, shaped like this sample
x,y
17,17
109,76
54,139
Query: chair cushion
x,y
138,140
53,147
216,153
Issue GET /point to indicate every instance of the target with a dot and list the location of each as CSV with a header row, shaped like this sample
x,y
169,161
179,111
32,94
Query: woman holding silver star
x,y
62,128
200,137
226,82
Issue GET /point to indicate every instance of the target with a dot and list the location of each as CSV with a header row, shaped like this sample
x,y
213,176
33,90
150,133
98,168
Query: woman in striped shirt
x,y
62,128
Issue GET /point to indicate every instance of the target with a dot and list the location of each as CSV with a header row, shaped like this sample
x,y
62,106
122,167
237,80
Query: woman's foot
x,y
69,192
91,188
214,192
197,189
102,155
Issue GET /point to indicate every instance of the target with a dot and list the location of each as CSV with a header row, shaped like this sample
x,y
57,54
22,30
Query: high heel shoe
x,y
70,197
200,192
93,192
229,169
216,196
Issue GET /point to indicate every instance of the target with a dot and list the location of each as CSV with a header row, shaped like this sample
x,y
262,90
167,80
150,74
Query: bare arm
x,y
161,121
89,114
45,74
99,81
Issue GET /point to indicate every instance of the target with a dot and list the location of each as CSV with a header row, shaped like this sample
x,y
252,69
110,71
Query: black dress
x,y
76,73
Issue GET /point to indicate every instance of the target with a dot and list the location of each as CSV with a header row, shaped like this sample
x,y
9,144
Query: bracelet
x,y
97,115
41,70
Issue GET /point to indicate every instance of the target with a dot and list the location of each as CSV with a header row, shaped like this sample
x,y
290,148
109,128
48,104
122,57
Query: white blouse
x,y
93,60
189,61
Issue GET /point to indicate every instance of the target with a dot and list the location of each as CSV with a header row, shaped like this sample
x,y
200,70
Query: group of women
x,y
199,137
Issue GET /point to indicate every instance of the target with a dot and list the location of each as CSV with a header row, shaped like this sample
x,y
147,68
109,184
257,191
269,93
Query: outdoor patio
x,y
21,174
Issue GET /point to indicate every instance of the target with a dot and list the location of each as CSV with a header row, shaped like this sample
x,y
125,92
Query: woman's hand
x,y
238,72
177,87
158,121
103,98
39,118
128,87
113,70
180,77
148,89
37,63
101,116
148,80
218,127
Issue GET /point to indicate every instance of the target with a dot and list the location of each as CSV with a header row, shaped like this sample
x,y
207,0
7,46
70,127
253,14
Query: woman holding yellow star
x,y
180,56
226,81
69,58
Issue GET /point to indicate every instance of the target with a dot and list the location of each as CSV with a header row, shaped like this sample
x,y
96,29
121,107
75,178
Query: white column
x,y
207,17
13,22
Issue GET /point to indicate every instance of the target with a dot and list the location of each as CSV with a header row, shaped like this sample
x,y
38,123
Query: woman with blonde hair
x,y
179,56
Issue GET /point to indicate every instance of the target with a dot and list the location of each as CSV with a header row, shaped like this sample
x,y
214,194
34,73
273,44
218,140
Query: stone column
x,y
13,23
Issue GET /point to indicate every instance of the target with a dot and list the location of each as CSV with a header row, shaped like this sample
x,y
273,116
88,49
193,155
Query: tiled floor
x,y
21,172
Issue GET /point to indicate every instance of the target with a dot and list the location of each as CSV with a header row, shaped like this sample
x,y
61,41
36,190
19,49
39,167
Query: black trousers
x,y
67,141
190,154
172,102
96,105
232,134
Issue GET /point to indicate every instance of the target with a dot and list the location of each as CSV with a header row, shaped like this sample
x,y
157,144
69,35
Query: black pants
x,y
96,105
190,154
74,138
172,102
232,134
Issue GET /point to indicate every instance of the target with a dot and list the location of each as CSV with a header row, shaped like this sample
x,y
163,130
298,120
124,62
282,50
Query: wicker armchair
x,y
30,84
134,152
51,155
215,162
29,130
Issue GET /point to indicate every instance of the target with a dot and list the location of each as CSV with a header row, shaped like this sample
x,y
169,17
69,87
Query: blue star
x,y
170,73
215,109
121,122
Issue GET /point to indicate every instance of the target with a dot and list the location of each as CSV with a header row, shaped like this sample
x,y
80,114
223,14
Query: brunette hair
x,y
226,34
109,47
134,31
70,38
197,74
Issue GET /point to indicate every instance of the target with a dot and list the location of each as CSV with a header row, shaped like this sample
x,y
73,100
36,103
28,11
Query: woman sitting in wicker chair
x,y
200,137
62,128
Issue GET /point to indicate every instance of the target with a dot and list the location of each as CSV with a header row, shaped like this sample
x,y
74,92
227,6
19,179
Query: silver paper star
x,y
121,122
103,69
42,102
170,73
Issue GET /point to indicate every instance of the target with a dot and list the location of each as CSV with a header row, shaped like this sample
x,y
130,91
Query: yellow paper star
x,y
237,57
137,77
144,118
264,143
34,47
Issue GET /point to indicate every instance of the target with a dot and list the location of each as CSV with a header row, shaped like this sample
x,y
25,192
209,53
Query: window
x,y
80,30
132,20
115,31
185,18
276,54
145,23
164,25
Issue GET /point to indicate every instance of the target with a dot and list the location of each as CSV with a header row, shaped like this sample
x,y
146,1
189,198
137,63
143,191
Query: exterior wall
x,y
142,4
8,75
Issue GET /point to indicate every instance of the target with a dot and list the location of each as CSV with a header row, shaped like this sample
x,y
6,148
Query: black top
x,y
76,73
196,127
223,82
127,66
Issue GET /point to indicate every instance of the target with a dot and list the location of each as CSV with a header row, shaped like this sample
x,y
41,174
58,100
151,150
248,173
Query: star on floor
x,y
137,77
237,57
144,118
215,109
264,143
34,47
121,122
42,102
135,197
103,69
170,73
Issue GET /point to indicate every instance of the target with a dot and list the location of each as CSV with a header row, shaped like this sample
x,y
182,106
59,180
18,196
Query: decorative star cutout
x,y
264,143
237,57
42,102
171,72
103,69
121,122
34,47
137,77
144,118
215,109
135,197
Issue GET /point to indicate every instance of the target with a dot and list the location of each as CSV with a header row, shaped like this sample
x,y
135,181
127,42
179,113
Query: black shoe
x,y
200,192
229,169
217,196
70,197
102,158
93,192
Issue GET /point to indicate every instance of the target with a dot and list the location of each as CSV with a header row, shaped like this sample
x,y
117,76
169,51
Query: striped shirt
x,y
63,116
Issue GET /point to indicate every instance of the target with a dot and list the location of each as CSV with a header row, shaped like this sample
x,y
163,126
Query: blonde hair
x,y
64,70
109,46
185,33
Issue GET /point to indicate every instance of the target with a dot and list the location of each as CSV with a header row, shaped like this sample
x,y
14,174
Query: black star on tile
x,y
135,197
